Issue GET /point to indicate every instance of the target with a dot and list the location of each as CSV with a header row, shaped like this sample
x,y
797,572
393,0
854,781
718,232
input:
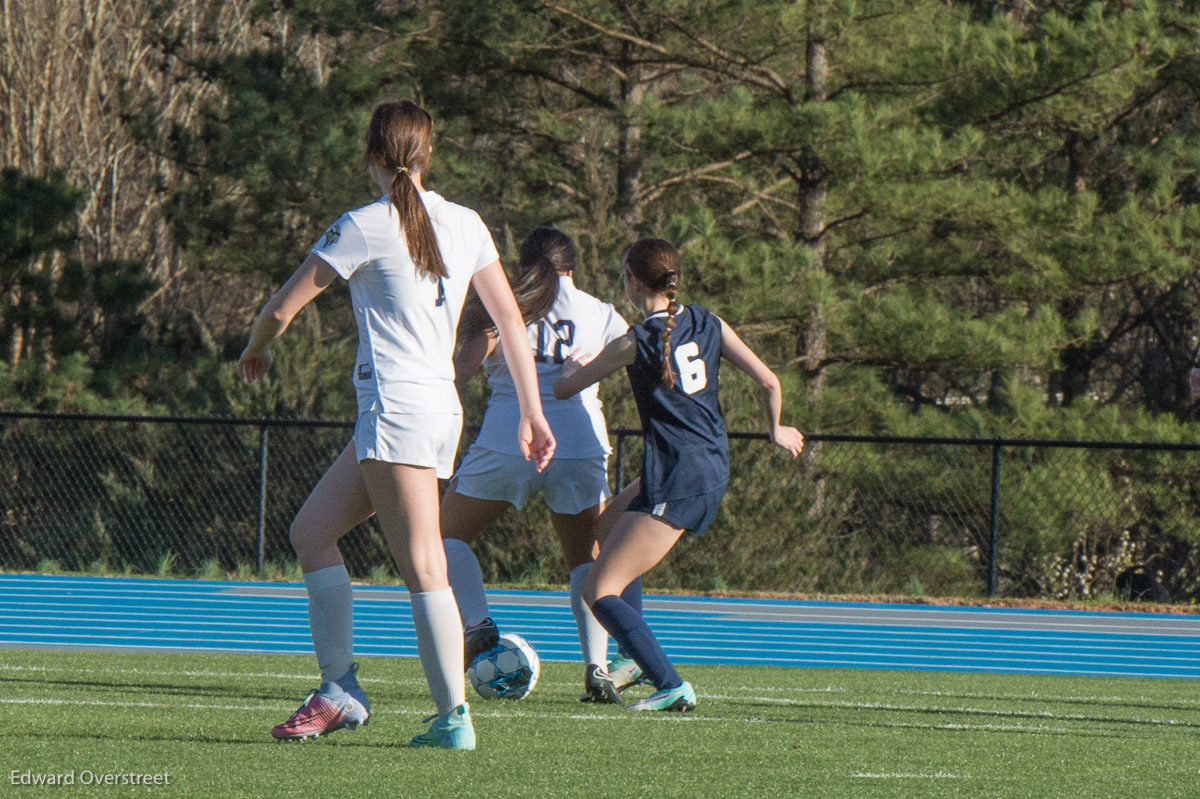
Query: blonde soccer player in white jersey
x,y
494,477
408,259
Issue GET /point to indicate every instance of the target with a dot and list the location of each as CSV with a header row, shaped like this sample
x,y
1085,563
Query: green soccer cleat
x,y
624,672
451,730
678,700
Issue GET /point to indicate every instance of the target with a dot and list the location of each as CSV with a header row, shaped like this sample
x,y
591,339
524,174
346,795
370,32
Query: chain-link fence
x,y
853,515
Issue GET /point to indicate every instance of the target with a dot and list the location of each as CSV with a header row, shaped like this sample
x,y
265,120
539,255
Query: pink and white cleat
x,y
321,715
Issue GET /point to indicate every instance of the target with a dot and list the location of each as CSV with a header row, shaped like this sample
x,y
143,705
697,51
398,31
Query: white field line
x,y
678,718
894,775
662,718
1046,715
1041,715
733,693
222,675
1177,703
404,647
1182,703
313,678
283,707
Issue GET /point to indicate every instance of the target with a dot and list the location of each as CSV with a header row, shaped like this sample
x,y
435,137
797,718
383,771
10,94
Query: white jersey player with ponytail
x,y
560,319
408,260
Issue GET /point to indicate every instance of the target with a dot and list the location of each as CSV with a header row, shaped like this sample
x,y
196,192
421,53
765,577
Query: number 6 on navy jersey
x,y
692,374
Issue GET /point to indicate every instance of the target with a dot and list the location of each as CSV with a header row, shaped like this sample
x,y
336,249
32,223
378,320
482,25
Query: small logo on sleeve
x,y
364,371
331,236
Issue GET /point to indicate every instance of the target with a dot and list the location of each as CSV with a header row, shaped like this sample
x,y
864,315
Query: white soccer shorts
x,y
413,439
569,485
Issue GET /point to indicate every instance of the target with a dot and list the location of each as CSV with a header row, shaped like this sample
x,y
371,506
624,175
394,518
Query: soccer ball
x,y
508,670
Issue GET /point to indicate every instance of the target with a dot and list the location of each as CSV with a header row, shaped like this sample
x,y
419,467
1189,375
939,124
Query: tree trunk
x,y
629,145
813,187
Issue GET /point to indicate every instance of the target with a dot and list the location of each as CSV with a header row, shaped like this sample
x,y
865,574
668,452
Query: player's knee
x,y
302,538
588,589
424,572
577,558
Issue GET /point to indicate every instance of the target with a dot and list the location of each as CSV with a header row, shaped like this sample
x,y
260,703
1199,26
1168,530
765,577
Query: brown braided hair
x,y
545,254
398,141
656,264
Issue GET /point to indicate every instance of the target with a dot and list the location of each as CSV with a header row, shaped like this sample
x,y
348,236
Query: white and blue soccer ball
x,y
508,670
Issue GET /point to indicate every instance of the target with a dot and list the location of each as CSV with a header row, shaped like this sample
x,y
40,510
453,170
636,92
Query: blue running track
x,y
132,614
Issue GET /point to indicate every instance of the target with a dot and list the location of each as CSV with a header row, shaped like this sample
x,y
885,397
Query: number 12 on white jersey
x,y
692,374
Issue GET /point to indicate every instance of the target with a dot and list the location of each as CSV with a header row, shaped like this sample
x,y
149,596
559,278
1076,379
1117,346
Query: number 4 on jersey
x,y
692,374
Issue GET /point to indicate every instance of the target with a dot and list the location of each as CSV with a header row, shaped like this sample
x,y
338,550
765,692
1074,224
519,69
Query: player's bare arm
x,y
741,356
536,439
310,279
472,352
580,370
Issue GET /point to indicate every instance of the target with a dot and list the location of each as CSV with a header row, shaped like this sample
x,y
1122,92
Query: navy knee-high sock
x,y
630,630
632,595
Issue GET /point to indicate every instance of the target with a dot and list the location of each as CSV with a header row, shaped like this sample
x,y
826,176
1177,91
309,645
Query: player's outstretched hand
x,y
253,366
536,440
789,438
573,363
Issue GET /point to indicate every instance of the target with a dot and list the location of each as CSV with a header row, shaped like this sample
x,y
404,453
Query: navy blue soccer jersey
x,y
687,450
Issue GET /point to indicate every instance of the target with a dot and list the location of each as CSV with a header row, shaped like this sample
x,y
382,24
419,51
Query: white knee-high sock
x,y
440,646
593,638
462,569
331,619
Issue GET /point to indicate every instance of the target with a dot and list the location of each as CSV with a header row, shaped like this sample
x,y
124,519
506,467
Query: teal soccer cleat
x,y
679,700
451,730
624,672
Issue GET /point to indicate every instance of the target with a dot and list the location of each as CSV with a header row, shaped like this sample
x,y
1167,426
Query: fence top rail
x,y
137,419
624,432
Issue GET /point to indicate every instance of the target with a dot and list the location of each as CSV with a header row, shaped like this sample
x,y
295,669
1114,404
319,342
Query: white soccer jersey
x,y
576,322
406,319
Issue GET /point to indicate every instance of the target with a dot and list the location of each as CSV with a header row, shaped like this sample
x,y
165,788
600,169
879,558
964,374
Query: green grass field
x,y
757,732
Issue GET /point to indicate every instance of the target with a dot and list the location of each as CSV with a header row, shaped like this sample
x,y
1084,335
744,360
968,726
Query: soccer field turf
x,y
203,720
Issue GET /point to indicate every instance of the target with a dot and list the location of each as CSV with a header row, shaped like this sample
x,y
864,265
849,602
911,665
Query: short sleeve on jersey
x,y
487,248
344,247
615,327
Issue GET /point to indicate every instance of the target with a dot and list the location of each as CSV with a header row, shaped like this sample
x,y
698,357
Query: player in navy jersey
x,y
494,477
673,359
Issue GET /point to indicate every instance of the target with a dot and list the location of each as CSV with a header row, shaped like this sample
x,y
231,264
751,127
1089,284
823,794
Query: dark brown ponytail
x,y
656,264
545,254
399,138
668,375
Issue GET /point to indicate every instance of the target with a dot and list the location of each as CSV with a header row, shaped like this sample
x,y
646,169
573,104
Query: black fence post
x,y
262,496
994,521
